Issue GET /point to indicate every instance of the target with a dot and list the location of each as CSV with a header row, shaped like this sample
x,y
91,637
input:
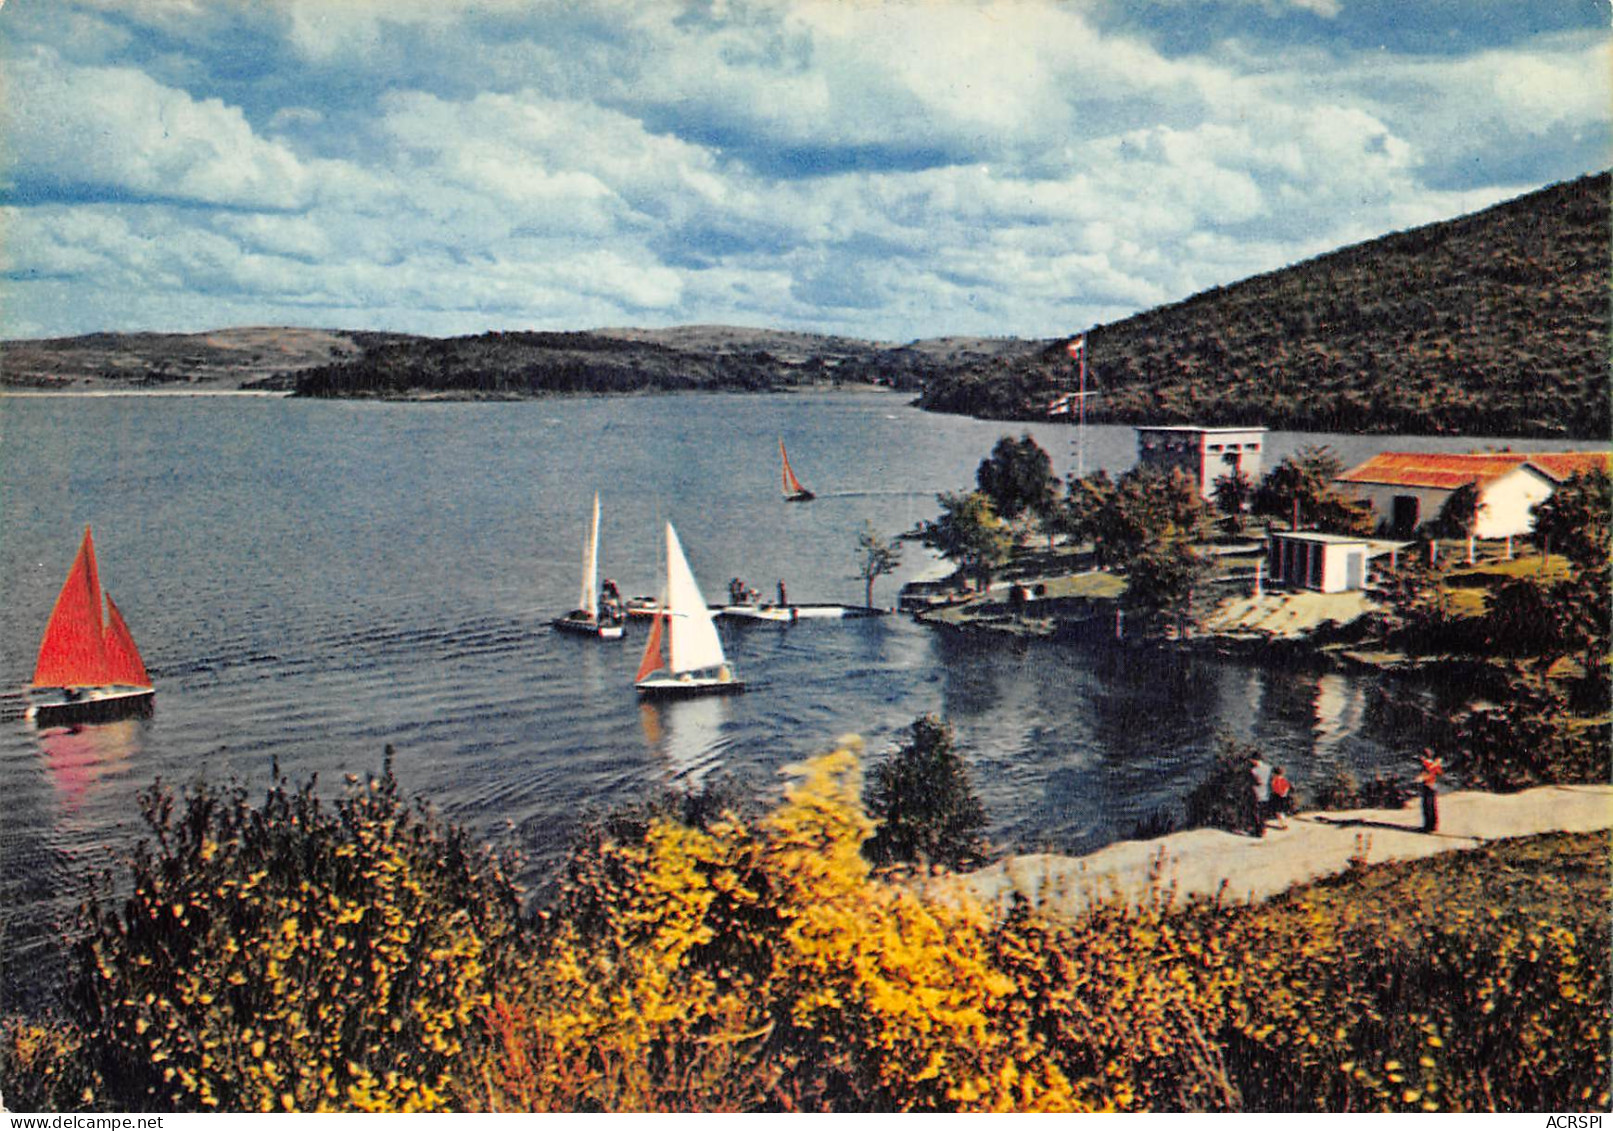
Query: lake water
x,y
310,581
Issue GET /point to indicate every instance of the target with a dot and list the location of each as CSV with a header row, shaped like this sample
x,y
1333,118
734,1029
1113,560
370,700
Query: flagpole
x,y
1081,427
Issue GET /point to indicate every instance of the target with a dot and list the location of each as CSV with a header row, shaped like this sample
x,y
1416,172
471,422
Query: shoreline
x,y
31,394
858,388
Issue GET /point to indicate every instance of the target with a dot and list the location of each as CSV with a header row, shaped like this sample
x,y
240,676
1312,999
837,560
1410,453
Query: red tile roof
x,y
1447,471
1444,471
1565,465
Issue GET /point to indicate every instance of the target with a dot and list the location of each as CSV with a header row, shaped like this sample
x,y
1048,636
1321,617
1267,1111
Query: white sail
x,y
588,601
694,643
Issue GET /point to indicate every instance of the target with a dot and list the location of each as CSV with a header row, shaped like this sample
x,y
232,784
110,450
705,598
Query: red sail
x,y
73,652
792,485
653,659
122,657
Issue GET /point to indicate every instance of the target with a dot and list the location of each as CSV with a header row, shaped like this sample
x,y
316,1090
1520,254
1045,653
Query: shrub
x,y
760,966
292,956
1383,791
924,804
1335,788
44,1066
1225,798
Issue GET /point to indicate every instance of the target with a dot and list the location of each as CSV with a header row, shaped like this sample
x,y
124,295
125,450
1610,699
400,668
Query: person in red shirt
x,y
1282,796
1425,785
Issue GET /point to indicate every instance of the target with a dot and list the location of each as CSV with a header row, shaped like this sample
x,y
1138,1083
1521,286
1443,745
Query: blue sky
x,y
884,170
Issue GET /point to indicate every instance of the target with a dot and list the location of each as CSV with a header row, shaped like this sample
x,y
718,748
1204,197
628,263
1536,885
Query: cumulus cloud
x,y
114,131
889,170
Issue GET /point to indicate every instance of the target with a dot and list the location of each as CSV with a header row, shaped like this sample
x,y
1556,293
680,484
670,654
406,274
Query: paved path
x,y
1242,867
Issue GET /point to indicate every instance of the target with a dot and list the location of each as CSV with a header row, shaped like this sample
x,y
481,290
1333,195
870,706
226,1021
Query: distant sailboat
x,y
586,619
793,491
683,655
89,668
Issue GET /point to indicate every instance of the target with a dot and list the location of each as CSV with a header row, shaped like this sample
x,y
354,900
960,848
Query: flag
x,y
1075,348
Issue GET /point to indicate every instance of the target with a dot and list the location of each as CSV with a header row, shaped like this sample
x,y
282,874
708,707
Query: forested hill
x,y
624,361
1491,324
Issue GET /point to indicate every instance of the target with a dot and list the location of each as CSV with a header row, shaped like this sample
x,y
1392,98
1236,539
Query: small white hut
x,y
1328,563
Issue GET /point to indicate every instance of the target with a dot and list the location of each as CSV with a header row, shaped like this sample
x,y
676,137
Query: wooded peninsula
x,y
1493,324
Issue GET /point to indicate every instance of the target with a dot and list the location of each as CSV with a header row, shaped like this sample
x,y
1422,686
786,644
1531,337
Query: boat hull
x,y
675,687
63,706
588,626
800,497
788,613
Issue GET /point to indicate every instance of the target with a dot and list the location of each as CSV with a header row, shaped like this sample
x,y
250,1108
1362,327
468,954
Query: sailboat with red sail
x,y
89,668
793,491
683,655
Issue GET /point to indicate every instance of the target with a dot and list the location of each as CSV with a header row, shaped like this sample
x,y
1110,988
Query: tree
x,y
924,803
879,557
1419,602
970,534
1300,489
1018,479
1150,506
1574,519
1081,515
1521,619
1162,576
1232,493
1459,517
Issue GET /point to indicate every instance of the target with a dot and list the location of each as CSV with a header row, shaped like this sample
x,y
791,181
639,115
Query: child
x,y
1282,796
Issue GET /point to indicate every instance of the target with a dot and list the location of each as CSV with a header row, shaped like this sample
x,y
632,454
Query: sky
x,y
887,170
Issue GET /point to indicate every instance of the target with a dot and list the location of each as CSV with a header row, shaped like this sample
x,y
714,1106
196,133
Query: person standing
x,y
1282,793
1260,791
1426,785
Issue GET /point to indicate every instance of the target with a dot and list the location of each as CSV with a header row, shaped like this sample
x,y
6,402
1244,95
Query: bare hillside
x,y
267,357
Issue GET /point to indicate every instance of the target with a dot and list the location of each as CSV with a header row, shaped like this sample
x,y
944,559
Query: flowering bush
x,y
761,966
294,957
291,957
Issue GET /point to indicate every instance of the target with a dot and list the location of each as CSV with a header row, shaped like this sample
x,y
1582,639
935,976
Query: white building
x,y
1407,489
1205,454
1328,563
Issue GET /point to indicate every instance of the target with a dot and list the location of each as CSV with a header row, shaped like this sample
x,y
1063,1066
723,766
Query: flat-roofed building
x,y
1205,454
1328,563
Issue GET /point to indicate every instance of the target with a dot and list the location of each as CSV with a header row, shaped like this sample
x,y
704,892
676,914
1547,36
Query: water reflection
x,y
686,734
1340,708
80,757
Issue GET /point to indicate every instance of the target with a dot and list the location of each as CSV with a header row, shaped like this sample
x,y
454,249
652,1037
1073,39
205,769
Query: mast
x,y
1081,427
1078,351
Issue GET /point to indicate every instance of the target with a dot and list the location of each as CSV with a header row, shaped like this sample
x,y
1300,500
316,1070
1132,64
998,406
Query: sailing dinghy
x,y
683,655
793,491
587,619
89,669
